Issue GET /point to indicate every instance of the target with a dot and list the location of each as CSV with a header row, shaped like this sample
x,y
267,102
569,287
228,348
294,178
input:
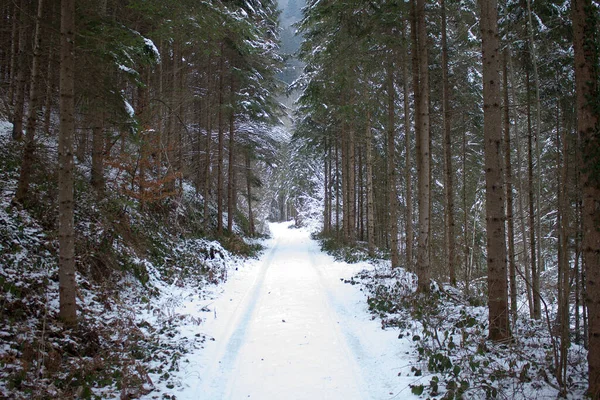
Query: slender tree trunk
x,y
467,249
66,233
14,49
586,82
220,150
538,128
344,174
21,76
249,190
535,273
49,87
97,172
326,190
207,160
563,255
98,137
391,168
423,140
512,270
231,201
521,208
337,191
448,171
495,213
351,187
32,114
407,166
361,196
370,210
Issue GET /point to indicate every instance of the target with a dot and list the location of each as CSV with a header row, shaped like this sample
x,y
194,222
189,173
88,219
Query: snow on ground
x,y
287,326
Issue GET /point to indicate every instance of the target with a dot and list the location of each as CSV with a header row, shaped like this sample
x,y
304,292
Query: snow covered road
x,y
289,328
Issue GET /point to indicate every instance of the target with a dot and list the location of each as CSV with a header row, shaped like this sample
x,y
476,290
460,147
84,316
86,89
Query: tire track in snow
x,y
377,381
242,316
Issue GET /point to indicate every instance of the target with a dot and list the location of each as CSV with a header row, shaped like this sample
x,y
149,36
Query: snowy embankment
x,y
287,326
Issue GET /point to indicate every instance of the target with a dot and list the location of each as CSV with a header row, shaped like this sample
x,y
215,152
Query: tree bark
x,y
521,208
207,161
14,50
370,210
391,168
586,83
512,270
249,194
21,76
563,254
535,276
538,129
448,172
231,167
32,113
423,141
495,213
345,185
407,166
220,144
351,188
66,233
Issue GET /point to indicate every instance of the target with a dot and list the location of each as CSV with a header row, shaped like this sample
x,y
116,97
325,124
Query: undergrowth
x,y
129,260
448,331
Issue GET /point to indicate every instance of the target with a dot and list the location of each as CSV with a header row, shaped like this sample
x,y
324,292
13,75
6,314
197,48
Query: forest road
x,y
292,330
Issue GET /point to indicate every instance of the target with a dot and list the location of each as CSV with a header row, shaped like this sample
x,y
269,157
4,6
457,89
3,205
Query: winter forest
x,y
337,199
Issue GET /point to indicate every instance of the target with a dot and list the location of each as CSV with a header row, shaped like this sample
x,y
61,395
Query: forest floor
x,y
288,326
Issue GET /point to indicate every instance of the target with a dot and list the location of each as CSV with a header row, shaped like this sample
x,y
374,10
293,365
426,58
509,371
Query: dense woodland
x,y
459,139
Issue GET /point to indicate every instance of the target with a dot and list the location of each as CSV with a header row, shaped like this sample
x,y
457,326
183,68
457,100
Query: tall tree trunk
x,y
21,76
351,187
337,190
249,194
538,130
50,82
231,202
97,172
495,214
361,196
14,50
326,200
467,248
521,208
407,165
220,144
32,113
370,210
423,142
66,233
586,82
207,180
448,171
535,273
344,175
391,168
512,270
563,254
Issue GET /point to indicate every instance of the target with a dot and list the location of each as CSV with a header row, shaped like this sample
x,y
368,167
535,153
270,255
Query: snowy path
x,y
290,329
